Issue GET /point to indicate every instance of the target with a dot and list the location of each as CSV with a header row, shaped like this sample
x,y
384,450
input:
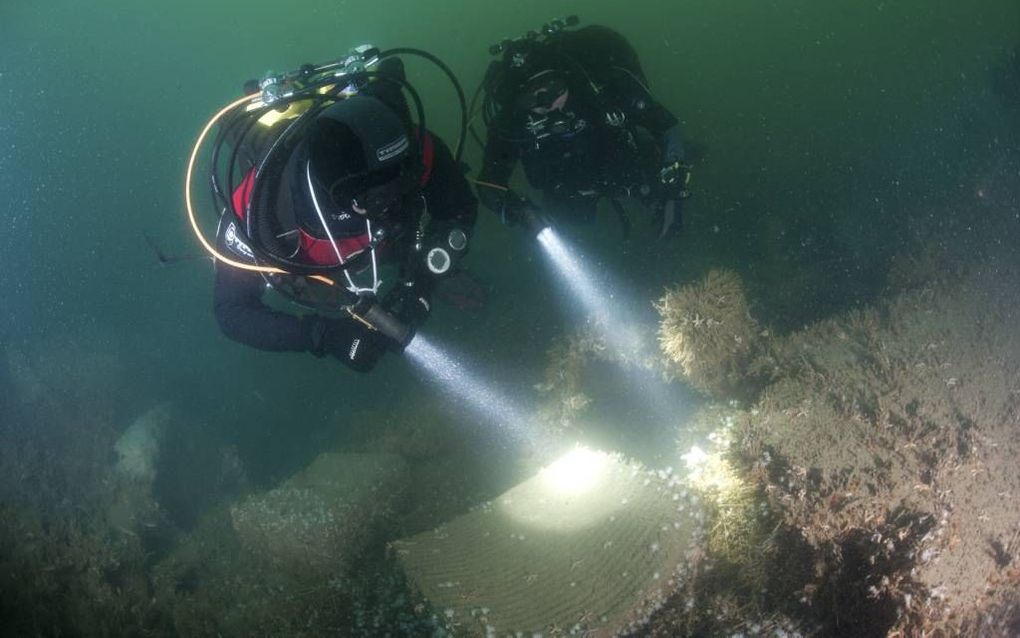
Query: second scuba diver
x,y
339,192
574,108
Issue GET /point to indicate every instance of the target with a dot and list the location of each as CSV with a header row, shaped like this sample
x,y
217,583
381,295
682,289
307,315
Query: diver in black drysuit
x,y
576,112
373,125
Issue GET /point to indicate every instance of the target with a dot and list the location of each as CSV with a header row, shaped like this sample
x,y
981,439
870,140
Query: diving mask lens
x,y
546,95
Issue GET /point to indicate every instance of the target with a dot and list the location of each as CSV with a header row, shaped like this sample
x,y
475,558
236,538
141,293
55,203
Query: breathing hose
x,y
255,106
191,209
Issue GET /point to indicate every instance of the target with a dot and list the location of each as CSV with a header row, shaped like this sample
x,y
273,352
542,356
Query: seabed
x,y
854,477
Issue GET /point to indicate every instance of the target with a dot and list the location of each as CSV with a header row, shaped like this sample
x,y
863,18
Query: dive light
x,y
369,312
535,221
530,215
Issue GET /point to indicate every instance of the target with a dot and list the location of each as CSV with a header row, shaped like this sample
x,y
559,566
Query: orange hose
x,y
191,211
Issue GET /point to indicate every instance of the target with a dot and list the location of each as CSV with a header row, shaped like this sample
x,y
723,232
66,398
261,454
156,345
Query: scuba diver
x,y
331,189
574,108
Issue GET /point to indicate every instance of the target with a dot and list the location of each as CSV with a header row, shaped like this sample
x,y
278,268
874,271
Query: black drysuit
x,y
609,157
238,294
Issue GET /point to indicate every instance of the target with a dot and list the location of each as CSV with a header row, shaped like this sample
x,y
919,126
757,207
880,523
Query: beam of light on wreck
x,y
576,472
574,492
483,399
597,299
712,473
571,493
613,314
569,268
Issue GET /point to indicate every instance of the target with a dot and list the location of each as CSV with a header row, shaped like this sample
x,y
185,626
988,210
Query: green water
x,y
834,131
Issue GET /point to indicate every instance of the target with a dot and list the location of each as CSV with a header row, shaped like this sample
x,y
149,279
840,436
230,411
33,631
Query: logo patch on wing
x,y
235,244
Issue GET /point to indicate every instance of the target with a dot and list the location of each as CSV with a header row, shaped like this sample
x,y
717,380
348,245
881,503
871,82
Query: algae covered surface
x,y
819,440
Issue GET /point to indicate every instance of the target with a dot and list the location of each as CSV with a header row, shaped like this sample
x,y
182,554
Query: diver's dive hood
x,y
357,159
382,136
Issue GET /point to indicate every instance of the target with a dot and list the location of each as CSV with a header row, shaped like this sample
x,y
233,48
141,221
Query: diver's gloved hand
x,y
675,169
523,213
356,345
492,198
673,179
411,304
515,211
509,206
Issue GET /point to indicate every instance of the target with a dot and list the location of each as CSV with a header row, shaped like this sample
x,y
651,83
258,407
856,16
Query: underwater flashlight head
x,y
536,222
369,312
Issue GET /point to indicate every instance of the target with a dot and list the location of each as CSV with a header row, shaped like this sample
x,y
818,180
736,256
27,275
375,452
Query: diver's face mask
x,y
544,93
543,103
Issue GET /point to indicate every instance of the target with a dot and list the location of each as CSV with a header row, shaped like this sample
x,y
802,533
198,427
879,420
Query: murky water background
x,y
835,135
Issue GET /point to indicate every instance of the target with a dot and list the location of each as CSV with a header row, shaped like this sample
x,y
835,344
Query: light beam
x,y
613,315
482,399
